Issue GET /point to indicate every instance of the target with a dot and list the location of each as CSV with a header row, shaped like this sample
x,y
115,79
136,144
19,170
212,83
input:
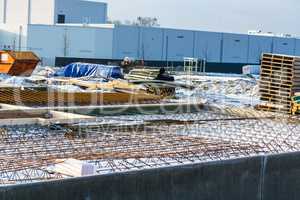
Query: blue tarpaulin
x,y
90,70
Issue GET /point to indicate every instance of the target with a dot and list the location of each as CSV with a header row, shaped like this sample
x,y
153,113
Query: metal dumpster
x,y
18,63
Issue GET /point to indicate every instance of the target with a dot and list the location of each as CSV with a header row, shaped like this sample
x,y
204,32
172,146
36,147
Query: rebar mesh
x,y
122,143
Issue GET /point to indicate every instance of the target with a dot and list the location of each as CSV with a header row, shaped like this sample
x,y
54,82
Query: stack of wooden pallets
x,y
279,80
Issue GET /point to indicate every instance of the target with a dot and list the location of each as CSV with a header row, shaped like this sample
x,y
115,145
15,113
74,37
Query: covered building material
x,y
17,63
279,81
90,70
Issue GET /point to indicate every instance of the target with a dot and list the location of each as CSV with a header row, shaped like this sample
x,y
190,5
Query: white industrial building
x,y
77,29
15,12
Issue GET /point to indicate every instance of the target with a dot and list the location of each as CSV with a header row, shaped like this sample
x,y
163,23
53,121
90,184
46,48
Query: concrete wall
x,y
81,11
208,46
281,178
42,12
178,44
17,12
223,180
23,12
274,177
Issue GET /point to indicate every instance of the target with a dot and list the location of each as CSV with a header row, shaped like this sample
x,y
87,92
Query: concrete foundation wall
x,y
273,177
224,180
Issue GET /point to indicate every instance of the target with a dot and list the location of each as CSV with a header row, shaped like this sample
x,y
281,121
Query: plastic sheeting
x,y
251,69
90,70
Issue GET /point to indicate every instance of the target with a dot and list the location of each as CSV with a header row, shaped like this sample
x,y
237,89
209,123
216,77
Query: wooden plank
x,y
277,85
277,80
270,108
283,71
276,100
283,64
270,88
274,91
276,97
277,68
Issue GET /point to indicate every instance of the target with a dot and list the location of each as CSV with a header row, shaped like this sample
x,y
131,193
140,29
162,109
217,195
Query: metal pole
x,y
4,11
29,12
20,37
167,50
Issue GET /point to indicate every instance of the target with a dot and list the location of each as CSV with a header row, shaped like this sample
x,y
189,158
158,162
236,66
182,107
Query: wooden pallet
x,y
263,83
275,88
273,108
275,92
280,78
277,80
275,99
275,71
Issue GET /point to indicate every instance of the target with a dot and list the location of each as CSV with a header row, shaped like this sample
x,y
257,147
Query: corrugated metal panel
x,y
83,49
178,44
208,46
46,49
151,45
297,48
257,46
284,45
235,48
126,42
104,43
68,41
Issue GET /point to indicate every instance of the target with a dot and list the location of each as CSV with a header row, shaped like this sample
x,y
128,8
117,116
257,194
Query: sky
x,y
236,16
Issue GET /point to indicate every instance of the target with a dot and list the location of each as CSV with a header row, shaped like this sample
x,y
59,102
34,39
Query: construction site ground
x,y
214,122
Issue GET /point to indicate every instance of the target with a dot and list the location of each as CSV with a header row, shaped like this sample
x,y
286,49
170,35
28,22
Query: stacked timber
x,y
142,74
43,96
279,81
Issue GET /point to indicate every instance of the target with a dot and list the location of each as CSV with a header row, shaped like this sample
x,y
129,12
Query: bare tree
x,y
147,21
140,21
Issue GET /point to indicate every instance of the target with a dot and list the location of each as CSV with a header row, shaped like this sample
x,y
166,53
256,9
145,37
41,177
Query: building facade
x,y
75,30
23,12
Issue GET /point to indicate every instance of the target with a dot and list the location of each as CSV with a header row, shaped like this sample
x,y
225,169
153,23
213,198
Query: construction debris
x,y
226,127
